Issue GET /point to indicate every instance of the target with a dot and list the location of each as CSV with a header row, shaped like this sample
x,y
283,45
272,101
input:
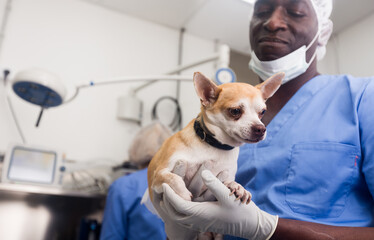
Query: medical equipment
x,y
39,87
25,164
45,89
222,57
176,122
28,164
129,107
225,75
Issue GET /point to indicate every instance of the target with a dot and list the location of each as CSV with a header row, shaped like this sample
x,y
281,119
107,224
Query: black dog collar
x,y
208,137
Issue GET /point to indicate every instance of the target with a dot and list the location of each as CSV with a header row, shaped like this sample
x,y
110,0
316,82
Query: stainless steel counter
x,y
41,213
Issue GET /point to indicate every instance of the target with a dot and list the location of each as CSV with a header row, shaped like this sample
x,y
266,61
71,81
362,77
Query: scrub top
x,y
317,161
125,217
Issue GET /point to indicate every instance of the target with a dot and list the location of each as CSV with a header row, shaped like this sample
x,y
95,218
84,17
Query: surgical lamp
x,y
39,87
46,89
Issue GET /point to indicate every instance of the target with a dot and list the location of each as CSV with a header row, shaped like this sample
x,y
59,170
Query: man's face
x,y
279,27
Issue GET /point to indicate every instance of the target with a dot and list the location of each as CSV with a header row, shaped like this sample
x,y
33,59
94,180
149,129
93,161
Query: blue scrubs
x,y
125,217
317,161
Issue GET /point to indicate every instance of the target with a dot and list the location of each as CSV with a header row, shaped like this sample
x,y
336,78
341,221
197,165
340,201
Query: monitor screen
x,y
32,165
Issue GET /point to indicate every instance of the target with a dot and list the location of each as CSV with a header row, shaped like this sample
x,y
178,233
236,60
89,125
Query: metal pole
x,y
180,57
4,22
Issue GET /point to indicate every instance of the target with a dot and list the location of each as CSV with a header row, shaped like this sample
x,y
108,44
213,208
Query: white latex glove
x,y
173,231
225,215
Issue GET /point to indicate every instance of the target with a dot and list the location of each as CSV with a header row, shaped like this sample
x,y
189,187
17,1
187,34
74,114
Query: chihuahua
x,y
230,116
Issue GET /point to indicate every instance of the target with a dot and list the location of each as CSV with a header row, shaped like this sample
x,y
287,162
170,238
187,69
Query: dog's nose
x,y
258,130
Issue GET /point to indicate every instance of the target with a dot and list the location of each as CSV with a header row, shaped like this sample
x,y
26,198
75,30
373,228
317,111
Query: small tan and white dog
x,y
230,116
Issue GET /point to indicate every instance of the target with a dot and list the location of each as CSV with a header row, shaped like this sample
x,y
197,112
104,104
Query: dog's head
x,y
236,108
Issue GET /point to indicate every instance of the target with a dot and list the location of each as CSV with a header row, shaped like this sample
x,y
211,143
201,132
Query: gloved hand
x,y
225,215
173,230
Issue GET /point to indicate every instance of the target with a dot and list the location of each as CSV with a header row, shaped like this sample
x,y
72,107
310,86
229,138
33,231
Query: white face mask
x,y
293,64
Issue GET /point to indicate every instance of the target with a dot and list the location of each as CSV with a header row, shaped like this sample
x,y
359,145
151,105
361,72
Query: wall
x,y
351,51
81,42
239,63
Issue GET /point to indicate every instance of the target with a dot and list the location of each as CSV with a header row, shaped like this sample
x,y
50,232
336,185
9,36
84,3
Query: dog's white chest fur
x,y
189,164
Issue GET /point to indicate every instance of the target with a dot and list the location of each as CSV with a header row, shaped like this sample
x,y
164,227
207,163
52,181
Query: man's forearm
x,y
296,230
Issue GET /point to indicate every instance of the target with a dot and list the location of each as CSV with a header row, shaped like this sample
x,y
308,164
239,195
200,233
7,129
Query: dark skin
x,y
279,27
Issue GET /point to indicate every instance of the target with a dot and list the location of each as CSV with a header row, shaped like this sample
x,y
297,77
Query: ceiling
x,y
225,21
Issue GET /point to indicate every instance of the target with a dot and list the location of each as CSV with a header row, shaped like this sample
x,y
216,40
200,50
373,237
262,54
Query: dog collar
x,y
208,137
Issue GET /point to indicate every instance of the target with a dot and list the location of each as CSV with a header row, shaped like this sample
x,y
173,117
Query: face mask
x,y
293,64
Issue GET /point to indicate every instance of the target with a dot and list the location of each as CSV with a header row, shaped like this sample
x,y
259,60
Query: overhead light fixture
x,y
39,87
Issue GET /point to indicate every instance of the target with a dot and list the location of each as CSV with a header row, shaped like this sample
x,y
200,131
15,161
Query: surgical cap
x,y
147,142
323,9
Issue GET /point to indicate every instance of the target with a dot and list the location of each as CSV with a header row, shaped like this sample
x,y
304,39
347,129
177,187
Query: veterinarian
x,y
124,217
313,176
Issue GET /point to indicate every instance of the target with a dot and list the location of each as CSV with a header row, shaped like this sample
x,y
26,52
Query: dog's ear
x,y
271,85
206,89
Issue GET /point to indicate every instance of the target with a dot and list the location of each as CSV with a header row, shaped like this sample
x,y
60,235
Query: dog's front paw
x,y
239,191
186,195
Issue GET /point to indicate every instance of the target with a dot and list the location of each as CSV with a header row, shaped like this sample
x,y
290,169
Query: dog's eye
x,y
262,112
236,112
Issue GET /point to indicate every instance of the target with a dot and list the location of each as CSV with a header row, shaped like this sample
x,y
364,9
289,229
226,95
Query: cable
x,y
10,105
177,119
